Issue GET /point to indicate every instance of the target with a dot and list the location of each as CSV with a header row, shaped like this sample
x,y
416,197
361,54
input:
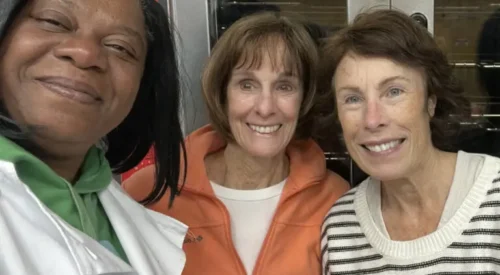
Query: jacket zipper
x,y
263,248
266,239
274,222
227,223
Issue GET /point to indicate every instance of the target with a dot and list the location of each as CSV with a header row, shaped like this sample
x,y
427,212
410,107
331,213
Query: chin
x,y
263,152
263,155
64,130
385,172
385,177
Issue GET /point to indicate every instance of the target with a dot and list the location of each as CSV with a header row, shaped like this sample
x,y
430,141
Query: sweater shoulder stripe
x,y
346,250
466,273
461,245
426,264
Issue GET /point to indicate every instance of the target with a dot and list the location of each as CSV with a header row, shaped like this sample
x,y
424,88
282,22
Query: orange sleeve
x,y
141,183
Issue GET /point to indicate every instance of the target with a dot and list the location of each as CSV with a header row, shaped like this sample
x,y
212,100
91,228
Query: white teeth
x,y
383,147
265,129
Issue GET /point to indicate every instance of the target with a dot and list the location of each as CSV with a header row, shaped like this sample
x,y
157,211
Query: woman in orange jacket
x,y
257,188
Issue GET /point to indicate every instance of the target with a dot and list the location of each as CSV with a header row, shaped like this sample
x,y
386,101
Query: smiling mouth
x,y
264,129
383,147
71,89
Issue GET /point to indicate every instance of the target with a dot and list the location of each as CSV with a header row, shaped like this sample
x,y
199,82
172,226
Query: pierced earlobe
x,y
431,105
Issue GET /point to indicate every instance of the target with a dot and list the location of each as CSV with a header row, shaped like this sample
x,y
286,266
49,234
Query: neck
x,y
246,172
66,165
425,190
67,168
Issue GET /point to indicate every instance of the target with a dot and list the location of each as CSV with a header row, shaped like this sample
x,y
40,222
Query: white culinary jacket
x,y
35,241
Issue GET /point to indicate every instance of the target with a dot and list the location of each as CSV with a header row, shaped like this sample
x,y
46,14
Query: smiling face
x,y
263,107
71,69
385,113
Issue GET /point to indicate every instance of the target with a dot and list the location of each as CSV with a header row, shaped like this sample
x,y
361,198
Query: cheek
x,y
17,55
26,46
349,121
126,82
412,117
233,113
290,107
422,125
239,105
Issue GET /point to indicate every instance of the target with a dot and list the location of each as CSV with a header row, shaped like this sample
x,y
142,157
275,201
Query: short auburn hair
x,y
396,36
245,44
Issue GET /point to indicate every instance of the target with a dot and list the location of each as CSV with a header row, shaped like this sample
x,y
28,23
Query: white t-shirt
x,y
251,213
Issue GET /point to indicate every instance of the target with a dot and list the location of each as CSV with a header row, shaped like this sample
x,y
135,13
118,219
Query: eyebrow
x,y
128,30
392,78
251,73
69,3
379,86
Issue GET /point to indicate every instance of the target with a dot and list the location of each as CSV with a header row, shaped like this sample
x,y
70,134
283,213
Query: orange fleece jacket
x,y
292,242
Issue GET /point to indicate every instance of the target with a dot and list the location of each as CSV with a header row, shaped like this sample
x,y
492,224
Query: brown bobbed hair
x,y
244,45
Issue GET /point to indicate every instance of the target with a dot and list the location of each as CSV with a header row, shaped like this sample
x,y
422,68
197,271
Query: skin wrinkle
x,y
84,50
255,97
415,180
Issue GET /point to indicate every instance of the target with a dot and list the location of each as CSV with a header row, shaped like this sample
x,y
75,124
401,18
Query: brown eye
x,y
246,85
120,49
52,23
285,87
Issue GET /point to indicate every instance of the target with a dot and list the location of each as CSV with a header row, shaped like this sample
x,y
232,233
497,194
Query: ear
x,y
431,105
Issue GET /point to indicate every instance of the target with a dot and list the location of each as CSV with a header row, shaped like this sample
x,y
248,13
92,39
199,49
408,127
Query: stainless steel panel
x,y
411,7
355,7
468,31
190,19
458,31
329,15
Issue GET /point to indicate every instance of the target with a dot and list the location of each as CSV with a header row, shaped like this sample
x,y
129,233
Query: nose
x,y
82,52
375,116
265,104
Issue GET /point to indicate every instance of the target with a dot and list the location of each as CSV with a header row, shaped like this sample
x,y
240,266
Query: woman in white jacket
x,y
74,74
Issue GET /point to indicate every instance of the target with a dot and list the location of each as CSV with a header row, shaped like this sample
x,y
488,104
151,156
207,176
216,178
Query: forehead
x,y
354,69
126,13
271,53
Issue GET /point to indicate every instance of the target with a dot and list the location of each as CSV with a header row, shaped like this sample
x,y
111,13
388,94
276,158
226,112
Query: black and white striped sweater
x,y
469,243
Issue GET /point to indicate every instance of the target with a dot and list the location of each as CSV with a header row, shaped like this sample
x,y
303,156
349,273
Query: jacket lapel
x,y
152,241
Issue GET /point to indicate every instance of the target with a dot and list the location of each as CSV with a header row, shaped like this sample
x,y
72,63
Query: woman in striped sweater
x,y
425,208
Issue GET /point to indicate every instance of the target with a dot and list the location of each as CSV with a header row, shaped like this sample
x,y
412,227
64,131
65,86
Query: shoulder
x,y
8,176
345,202
486,166
491,161
141,183
334,184
341,221
137,210
344,208
328,189
157,235
7,167
336,180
